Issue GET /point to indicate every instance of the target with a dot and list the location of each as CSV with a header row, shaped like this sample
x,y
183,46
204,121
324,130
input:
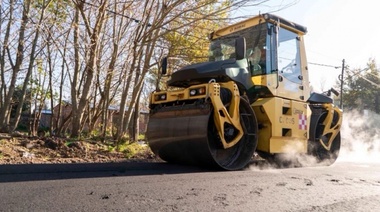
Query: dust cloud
x,y
360,134
360,143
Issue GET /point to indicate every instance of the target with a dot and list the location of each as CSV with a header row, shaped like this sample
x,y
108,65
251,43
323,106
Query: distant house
x,y
27,119
45,118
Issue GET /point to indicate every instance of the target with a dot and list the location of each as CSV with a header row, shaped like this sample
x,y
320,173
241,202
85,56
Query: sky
x,y
337,30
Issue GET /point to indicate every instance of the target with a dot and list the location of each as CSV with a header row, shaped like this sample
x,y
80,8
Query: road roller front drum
x,y
185,137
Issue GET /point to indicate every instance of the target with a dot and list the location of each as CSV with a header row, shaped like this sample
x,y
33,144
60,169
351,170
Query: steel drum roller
x,y
189,136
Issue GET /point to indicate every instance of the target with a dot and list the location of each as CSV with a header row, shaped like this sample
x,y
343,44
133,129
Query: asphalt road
x,y
344,186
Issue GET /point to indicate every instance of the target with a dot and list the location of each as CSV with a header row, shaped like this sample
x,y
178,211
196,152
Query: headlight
x,y
193,92
197,91
160,97
201,90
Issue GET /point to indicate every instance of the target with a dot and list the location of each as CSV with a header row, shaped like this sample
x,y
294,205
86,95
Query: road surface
x,y
344,186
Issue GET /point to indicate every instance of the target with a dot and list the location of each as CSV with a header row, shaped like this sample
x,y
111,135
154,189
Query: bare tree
x,y
3,84
93,33
32,58
5,109
151,31
99,53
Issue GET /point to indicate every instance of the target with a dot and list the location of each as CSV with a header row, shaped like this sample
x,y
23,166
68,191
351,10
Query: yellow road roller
x,y
252,96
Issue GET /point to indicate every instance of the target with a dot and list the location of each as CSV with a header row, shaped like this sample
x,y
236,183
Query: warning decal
x,y
302,122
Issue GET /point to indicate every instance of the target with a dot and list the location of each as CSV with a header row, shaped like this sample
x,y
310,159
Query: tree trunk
x,y
5,109
30,69
136,59
89,68
120,122
3,86
139,81
136,121
109,77
59,122
50,86
74,81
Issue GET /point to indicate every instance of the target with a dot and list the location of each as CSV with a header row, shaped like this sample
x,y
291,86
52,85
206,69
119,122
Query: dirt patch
x,y
37,150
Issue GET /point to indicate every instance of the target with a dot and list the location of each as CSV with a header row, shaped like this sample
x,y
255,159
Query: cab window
x,y
289,56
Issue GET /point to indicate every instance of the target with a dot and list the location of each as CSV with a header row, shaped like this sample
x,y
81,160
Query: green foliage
x,y
36,85
22,127
58,9
111,148
362,88
95,134
122,141
189,44
69,143
141,137
43,131
129,149
132,149
17,96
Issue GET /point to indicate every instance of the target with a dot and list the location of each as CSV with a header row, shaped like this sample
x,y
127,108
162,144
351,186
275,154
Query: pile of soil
x,y
39,150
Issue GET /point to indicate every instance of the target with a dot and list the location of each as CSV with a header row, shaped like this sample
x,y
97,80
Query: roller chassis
x,y
218,113
225,127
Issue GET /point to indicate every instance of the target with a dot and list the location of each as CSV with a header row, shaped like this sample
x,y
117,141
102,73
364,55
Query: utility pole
x,y
341,85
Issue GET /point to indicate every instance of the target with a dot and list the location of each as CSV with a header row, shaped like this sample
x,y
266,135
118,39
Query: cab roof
x,y
299,29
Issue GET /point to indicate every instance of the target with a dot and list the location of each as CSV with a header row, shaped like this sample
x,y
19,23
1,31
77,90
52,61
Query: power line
x,y
140,21
116,13
369,81
325,65
359,74
188,35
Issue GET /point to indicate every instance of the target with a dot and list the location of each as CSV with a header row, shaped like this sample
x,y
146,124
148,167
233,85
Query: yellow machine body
x,y
284,125
283,115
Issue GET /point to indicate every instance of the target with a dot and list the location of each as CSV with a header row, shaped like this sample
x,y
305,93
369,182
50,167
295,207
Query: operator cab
x,y
275,55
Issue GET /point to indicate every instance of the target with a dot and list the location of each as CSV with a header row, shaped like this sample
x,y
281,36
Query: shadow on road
x,y
40,172
34,172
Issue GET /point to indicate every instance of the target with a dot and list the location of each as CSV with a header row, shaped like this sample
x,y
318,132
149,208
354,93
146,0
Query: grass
x,y
124,146
132,149
141,137
3,142
88,148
